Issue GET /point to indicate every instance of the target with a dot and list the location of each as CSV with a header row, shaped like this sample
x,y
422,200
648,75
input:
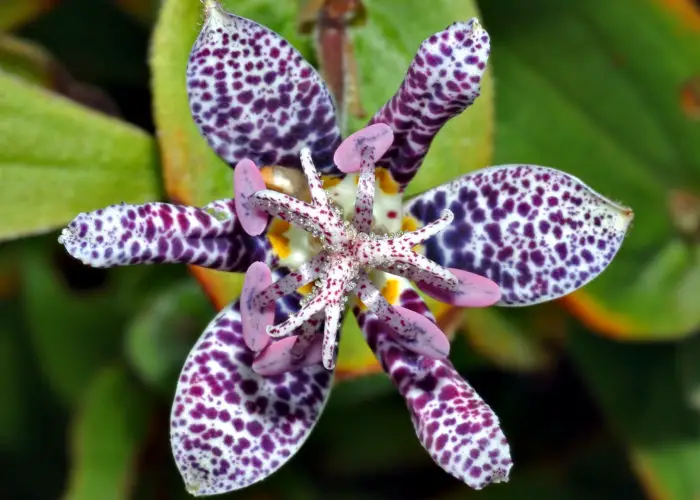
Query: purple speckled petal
x,y
231,427
151,233
442,81
537,232
457,428
252,95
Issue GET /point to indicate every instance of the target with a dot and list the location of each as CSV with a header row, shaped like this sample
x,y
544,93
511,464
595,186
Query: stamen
x,y
348,252
323,221
412,330
297,319
304,274
426,232
288,209
318,194
330,334
307,339
364,201
417,267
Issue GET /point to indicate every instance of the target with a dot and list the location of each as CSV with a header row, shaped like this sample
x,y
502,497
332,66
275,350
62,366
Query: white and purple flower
x,y
256,381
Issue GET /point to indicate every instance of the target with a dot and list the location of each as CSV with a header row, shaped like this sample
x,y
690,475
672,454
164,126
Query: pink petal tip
x,y
247,180
255,320
473,290
430,340
348,156
277,357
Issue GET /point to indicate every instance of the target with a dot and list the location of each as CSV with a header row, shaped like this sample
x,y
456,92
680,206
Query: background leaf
x,y
515,339
75,332
58,158
26,60
13,13
32,62
606,107
161,334
688,369
639,391
107,436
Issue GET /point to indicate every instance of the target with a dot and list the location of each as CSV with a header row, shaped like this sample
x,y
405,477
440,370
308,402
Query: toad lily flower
x,y
256,381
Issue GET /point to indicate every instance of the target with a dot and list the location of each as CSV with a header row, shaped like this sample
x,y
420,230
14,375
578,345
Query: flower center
x,y
294,245
350,250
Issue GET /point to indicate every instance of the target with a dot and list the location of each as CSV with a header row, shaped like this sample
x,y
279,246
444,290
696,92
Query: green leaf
x,y
361,447
143,10
14,13
58,158
514,339
32,62
98,41
12,374
75,332
107,435
26,60
162,333
638,389
195,175
687,357
384,47
596,89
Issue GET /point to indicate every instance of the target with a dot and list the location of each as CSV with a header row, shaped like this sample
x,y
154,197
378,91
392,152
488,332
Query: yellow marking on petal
x,y
286,180
330,181
391,291
361,305
268,175
306,289
447,316
292,244
355,358
278,240
220,287
409,223
386,182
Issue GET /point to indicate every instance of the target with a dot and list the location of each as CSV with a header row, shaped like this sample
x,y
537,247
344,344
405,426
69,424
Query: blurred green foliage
x,y
599,394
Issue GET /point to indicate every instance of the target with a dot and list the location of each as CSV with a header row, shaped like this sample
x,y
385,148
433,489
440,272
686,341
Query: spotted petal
x,y
252,95
231,427
124,234
537,232
442,81
457,428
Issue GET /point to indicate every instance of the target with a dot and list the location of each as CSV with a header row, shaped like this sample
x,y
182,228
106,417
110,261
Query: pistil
x,y
350,252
